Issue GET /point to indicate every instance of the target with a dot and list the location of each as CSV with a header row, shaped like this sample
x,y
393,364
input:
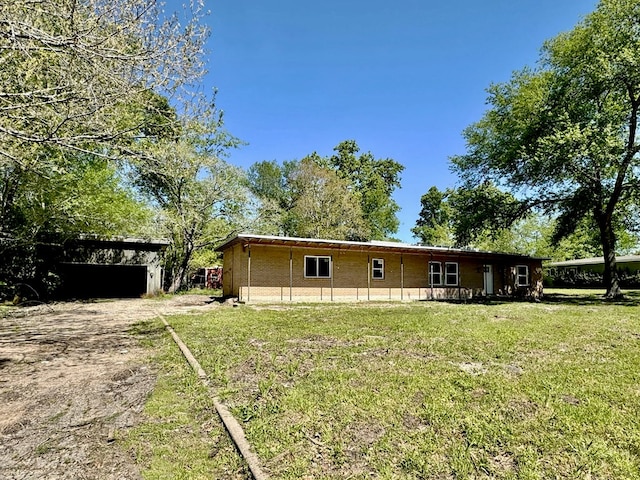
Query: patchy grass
x,y
420,390
181,437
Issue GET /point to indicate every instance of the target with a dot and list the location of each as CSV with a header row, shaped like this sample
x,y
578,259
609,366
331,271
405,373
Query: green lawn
x,y
419,390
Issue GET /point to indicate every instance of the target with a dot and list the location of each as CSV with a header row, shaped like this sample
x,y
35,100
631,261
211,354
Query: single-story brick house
x,y
274,268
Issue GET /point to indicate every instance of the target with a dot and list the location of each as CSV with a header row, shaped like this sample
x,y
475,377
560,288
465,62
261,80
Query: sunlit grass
x,y
425,390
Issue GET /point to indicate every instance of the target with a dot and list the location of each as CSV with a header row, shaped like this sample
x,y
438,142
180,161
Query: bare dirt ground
x,y
71,380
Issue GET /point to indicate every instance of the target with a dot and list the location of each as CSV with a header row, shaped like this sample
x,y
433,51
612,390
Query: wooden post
x,y
249,274
401,278
368,278
330,275
429,274
290,274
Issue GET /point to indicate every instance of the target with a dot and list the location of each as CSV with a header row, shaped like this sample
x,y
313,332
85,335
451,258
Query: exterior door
x,y
488,279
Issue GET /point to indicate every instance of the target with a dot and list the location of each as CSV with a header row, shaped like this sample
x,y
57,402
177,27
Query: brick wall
x,y
277,274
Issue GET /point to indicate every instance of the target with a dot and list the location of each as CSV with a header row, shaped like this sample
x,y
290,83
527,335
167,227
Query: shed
x,y
94,267
275,268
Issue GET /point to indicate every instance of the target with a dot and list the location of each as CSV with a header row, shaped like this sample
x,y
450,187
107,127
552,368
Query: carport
x,y
111,268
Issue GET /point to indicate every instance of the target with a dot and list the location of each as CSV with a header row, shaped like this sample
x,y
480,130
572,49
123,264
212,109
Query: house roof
x,y
593,261
373,246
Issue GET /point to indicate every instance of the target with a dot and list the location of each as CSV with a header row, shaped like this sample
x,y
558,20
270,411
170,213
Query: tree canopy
x,y
562,137
343,196
305,199
72,70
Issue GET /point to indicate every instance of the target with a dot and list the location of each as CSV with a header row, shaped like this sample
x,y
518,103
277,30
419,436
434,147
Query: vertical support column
x,y
249,274
401,277
429,279
459,282
368,278
290,274
331,275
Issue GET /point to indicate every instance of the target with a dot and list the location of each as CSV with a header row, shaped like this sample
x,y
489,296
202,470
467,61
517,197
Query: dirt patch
x,y
72,379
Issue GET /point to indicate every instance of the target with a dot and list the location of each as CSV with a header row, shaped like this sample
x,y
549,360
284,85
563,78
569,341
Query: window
x,y
451,274
317,267
435,273
377,271
522,275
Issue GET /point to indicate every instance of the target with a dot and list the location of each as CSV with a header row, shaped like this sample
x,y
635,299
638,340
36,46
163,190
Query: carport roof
x,y
593,261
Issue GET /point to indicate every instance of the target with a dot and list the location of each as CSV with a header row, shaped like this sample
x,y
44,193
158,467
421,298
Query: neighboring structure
x,y
272,268
207,277
117,267
589,272
624,264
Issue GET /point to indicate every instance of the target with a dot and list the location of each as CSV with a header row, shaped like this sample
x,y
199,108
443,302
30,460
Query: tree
x,y
200,197
434,225
323,205
563,136
480,219
69,66
305,199
375,181
456,217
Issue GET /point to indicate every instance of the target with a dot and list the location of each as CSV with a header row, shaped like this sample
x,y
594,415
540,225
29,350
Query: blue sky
x,y
402,78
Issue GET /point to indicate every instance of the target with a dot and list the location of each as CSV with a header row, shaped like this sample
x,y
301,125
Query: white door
x,y
488,279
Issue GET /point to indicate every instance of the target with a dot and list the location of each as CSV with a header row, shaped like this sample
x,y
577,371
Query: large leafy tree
x,y
361,185
306,199
375,180
200,198
323,205
69,66
458,217
481,219
563,136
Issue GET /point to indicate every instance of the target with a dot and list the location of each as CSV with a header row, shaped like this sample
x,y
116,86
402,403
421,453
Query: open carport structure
x,y
95,267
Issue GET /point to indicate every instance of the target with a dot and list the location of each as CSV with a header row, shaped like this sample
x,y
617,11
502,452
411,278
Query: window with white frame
x,y
435,273
377,269
317,267
451,273
522,275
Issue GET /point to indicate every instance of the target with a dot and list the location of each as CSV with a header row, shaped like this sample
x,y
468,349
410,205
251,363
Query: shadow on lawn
x,y
630,299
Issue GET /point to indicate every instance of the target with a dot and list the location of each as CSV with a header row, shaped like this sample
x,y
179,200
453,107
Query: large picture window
x,y
451,273
377,269
522,275
435,273
317,267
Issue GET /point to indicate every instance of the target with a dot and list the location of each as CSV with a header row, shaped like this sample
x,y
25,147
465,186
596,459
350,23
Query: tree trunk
x,y
179,275
610,277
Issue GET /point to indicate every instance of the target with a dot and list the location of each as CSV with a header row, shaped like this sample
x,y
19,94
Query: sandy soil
x,y
71,380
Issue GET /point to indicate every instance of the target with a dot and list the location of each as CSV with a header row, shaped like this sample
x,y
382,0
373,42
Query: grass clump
x,y
427,390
